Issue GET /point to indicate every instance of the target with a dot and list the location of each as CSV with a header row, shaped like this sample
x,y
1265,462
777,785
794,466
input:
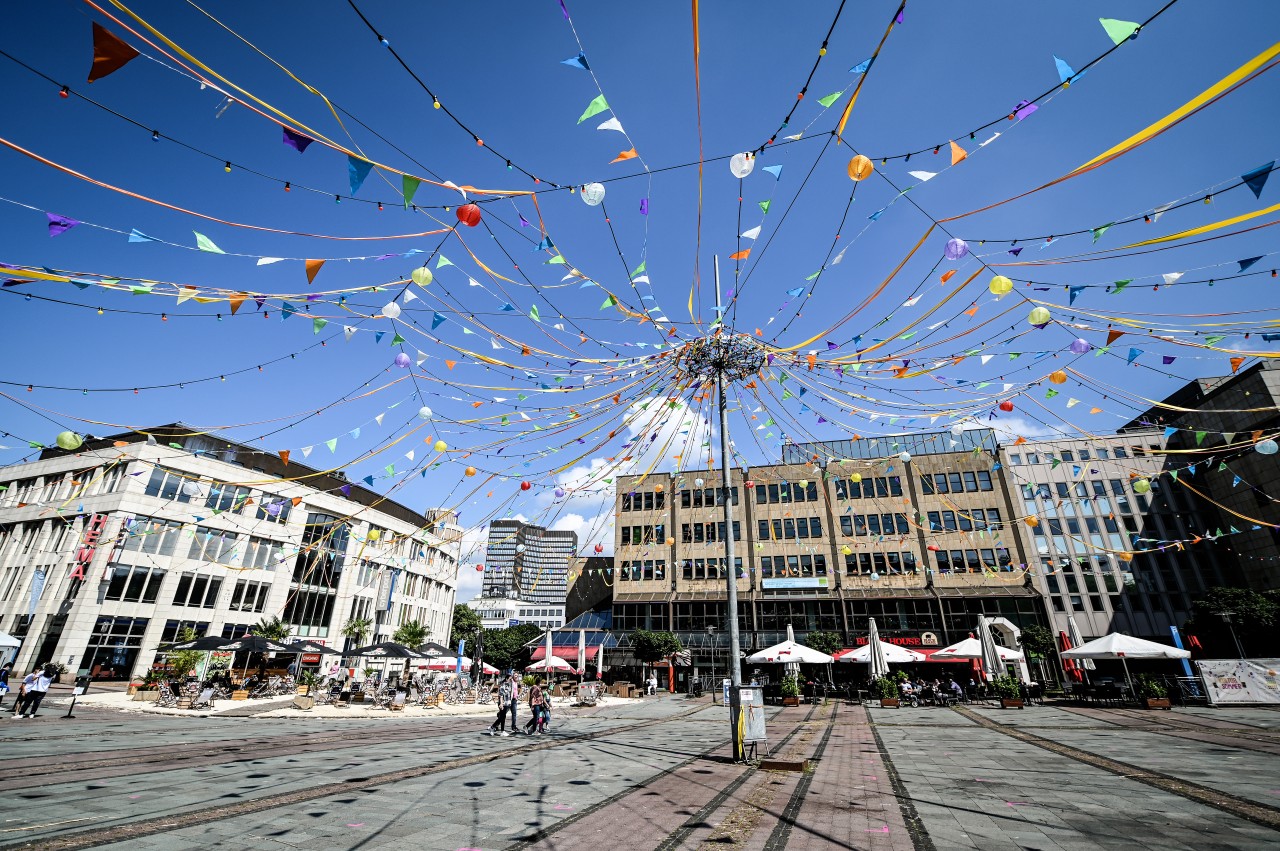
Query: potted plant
x,y
1152,692
150,688
888,689
306,681
790,689
1009,690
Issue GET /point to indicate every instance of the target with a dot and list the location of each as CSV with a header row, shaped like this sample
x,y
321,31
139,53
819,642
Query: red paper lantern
x,y
524,486
469,215
480,568
1006,406
933,548
599,548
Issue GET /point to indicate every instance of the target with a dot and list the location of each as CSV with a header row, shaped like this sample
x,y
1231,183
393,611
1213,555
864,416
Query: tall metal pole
x,y
731,573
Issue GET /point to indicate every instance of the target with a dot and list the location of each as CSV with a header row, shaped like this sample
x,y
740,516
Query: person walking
x,y
537,702
508,695
34,687
4,681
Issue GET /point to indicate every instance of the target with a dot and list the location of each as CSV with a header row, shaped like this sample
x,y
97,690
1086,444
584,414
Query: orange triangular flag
x,y
110,54
617,397
948,275
1112,336
451,363
313,268
625,155
740,255
1095,410
284,456
972,312
759,333
476,404
1020,441
1235,364
812,359
750,385
236,301
297,500
958,154
524,350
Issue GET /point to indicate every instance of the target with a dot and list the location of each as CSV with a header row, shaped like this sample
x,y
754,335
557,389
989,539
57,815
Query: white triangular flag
x,y
989,141
409,296
1172,277
524,416
473,282
379,417
422,356
643,279
922,176
306,451
612,124
266,261
839,258
409,454
986,358
754,233
348,331
493,342
1071,403
1160,211
559,326
911,302
1007,387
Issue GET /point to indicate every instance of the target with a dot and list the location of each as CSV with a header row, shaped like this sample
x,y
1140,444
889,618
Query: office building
x,y
1086,528
528,563
109,551
502,612
840,532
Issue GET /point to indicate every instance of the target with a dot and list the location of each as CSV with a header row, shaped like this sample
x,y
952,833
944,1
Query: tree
x,y
505,648
1038,641
1252,617
411,634
824,641
183,662
272,628
466,625
650,647
356,629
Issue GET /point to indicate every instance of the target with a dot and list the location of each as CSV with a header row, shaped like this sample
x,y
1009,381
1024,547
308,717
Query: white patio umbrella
x,y
877,655
1073,633
7,640
1124,647
893,654
550,663
582,654
789,652
992,664
971,648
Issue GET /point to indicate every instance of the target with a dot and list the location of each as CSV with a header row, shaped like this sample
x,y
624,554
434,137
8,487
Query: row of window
x,y
710,533
788,528
796,565
892,564
786,492
871,487
709,568
177,486
647,501
874,524
163,537
974,481
643,534
973,561
90,481
969,520
1070,455
648,569
706,497
140,584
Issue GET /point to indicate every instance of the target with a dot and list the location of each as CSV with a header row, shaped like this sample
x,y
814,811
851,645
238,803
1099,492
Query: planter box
x,y
301,702
790,701
240,694
1158,703
358,697
132,690
1011,703
890,703
303,690
148,696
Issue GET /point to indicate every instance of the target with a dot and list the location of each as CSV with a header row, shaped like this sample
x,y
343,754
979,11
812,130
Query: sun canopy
x,y
555,663
387,650
971,648
1118,646
252,643
790,651
892,653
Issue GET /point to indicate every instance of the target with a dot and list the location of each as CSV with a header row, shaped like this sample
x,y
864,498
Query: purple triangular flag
x,y
296,140
59,225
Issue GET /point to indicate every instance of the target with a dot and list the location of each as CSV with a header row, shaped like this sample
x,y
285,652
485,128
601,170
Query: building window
x,y
1015,459
225,497
248,596
134,584
149,535
213,545
113,647
167,484
273,509
197,591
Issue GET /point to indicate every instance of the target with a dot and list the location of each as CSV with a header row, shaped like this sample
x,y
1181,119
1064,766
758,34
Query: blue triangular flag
x,y
138,236
1065,71
579,61
1245,264
1169,431
1257,178
357,171
1075,291
287,310
862,67
1133,354
368,480
775,170
378,335
436,321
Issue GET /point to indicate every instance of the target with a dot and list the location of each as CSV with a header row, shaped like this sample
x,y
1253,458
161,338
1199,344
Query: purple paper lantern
x,y
956,248
559,493
1080,347
402,360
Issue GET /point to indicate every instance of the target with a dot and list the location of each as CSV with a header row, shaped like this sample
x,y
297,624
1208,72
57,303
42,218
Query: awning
x,y
565,651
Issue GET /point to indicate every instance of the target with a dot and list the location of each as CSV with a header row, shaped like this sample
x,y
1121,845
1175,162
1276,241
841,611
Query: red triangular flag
x,y
110,54
284,456
313,269
1112,336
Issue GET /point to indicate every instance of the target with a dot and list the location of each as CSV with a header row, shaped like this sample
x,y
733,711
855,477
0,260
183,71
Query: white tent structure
x,y
789,652
893,654
1124,647
551,663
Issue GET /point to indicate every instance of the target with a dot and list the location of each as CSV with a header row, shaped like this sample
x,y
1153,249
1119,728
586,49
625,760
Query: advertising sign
x,y
796,582
1241,680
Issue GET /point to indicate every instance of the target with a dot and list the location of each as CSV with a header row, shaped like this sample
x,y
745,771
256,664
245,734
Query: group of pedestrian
x,y
31,690
509,692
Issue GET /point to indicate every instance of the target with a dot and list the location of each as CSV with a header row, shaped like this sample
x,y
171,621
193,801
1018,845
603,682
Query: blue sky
x,y
498,66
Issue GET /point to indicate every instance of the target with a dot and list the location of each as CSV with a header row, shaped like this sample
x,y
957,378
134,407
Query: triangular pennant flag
x,y
237,300
59,225
317,323
397,339
625,155
1172,277
609,302
1133,354
332,443
775,170
357,171
136,235
185,293
443,261
579,61
1118,31
753,233
1245,264
958,153
205,244
611,124
1113,335
1065,71
1235,365
306,453
597,106
830,99
923,176
378,418
313,268
348,332
1120,285
436,321
284,456
740,255
862,67
764,206
534,315
296,140
110,54
1257,178
408,188
1098,232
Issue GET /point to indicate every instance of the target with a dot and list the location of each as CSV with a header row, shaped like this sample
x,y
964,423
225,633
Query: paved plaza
x,y
647,774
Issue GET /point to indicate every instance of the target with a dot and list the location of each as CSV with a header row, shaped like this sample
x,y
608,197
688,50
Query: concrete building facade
x,y
527,562
110,551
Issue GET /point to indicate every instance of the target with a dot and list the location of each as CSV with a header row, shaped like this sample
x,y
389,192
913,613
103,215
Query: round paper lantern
x,y
1266,446
874,576
424,413
749,483
1057,377
190,489
1006,406
855,477
957,429
697,483
956,248
1033,521
559,493
1080,347
742,164
860,168
440,446
1141,486
1125,556
524,486
593,194
469,215
657,488
599,548
69,440
1000,285
933,548
469,472
1039,316
846,550
480,568
671,542
804,483
422,276
402,361
391,310
904,457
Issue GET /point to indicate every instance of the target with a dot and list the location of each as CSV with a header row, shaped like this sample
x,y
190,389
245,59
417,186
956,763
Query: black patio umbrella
x,y
307,646
387,650
431,650
252,643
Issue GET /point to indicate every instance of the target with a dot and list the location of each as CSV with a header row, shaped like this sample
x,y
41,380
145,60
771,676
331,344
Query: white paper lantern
x,y
592,194
391,310
424,413
742,164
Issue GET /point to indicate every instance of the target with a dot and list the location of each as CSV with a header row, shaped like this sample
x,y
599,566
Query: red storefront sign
x,y
88,545
311,658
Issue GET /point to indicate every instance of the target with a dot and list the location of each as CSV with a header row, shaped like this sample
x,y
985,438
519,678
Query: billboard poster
x,y
1231,681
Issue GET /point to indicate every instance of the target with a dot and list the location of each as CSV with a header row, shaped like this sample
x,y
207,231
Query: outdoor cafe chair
x,y
204,700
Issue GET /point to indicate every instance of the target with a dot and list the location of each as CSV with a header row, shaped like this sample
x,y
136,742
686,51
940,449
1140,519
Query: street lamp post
x,y
1226,617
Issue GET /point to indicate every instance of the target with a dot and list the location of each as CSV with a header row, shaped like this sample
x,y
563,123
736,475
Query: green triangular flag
x,y
391,469
1098,232
1221,466
1173,474
1056,462
786,394
1118,30
599,105
332,443
443,261
609,302
638,269
1050,394
533,314
408,186
764,205
397,340
317,324
205,244
830,99
1214,339
1120,285
558,260
1200,437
